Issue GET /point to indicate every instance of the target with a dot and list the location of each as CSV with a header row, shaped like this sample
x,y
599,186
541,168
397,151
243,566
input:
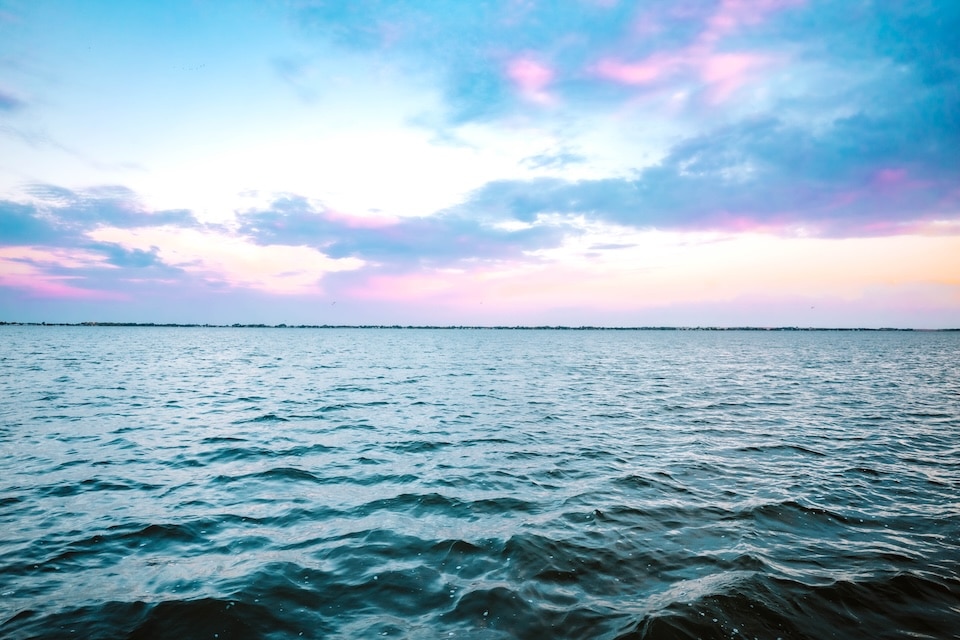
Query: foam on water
x,y
245,483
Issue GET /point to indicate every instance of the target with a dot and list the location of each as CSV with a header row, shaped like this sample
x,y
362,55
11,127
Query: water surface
x,y
283,483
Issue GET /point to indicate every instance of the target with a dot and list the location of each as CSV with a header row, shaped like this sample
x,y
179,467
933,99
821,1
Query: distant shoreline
x,y
450,327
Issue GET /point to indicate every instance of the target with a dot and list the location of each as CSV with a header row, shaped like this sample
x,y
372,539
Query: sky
x,y
487,162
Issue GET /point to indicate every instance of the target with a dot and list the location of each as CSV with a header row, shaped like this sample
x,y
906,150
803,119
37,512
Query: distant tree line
x,y
239,325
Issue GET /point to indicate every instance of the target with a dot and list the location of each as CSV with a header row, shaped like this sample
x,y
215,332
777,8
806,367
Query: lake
x,y
426,483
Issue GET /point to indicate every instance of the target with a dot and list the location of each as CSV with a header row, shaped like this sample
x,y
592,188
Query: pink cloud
x,y
741,223
642,72
726,72
731,15
893,183
897,180
531,78
40,285
46,287
361,222
415,286
889,176
722,73
24,268
647,25
888,228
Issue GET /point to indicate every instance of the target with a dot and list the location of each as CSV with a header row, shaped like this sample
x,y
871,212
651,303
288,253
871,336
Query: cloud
x,y
104,205
48,248
61,218
217,257
791,112
497,58
286,248
531,78
490,58
860,176
21,224
53,273
702,65
464,269
555,160
444,239
701,61
119,256
100,243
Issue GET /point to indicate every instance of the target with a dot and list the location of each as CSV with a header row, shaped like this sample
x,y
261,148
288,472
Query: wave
x,y
290,600
602,485
764,607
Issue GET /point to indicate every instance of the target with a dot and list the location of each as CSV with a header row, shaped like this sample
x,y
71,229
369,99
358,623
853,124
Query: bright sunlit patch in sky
x,y
502,162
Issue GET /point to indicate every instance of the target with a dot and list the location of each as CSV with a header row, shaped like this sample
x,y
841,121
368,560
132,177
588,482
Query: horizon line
x,y
238,325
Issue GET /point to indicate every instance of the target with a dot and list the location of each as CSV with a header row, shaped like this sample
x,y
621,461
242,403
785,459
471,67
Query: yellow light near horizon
x,y
673,268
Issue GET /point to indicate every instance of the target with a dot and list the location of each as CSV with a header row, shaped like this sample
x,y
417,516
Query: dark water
x,y
244,483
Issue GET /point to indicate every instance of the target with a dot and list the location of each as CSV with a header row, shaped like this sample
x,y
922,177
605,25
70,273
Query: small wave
x,y
304,450
106,548
417,446
235,454
781,447
759,606
790,512
867,471
655,482
435,503
221,440
277,473
267,417
68,489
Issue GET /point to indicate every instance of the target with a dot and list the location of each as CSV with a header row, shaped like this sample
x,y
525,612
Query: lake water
x,y
336,483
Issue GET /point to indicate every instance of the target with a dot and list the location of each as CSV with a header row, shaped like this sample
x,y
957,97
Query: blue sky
x,y
763,162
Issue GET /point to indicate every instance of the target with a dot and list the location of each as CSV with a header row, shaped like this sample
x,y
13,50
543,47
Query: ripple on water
x,y
502,484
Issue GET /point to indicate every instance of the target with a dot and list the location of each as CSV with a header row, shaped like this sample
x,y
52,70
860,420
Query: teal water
x,y
284,483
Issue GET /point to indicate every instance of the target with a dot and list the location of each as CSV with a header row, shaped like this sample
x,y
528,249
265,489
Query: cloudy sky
x,y
605,162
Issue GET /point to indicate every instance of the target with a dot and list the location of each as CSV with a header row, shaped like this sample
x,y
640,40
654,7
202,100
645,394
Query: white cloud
x,y
220,257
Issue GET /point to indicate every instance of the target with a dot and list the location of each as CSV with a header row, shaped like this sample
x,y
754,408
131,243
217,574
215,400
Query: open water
x,y
284,483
